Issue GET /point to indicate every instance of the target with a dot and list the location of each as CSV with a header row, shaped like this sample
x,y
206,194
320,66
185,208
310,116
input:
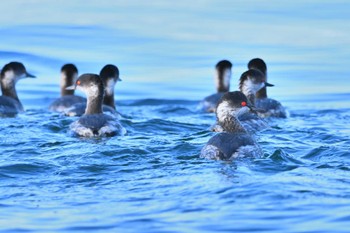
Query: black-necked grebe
x,y
94,122
250,82
266,107
69,74
110,76
222,80
234,141
10,74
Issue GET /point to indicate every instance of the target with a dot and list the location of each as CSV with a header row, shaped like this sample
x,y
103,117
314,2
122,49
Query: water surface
x,y
152,179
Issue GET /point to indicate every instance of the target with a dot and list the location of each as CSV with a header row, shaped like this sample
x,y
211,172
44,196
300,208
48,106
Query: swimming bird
x,y
110,76
266,107
250,82
69,74
94,122
234,141
222,81
10,74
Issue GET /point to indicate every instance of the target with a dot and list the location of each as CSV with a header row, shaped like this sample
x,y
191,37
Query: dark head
x,y
90,84
110,76
69,69
232,104
69,73
252,81
223,69
16,70
259,64
10,74
110,71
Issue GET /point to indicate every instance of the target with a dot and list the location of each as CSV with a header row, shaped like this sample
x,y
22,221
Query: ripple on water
x,y
153,180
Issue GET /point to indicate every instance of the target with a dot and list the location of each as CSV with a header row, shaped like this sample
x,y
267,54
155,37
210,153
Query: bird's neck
x,y
231,124
94,101
66,82
261,94
8,88
249,92
109,100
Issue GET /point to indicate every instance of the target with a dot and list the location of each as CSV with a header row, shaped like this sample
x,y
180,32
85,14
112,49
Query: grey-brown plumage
x,y
110,76
94,122
69,74
234,141
250,82
221,67
266,107
10,74
259,64
222,80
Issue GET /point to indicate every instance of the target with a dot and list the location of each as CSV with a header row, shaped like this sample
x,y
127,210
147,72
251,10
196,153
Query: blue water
x,y
152,179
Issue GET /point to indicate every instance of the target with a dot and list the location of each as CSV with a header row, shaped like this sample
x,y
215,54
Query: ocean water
x,y
152,179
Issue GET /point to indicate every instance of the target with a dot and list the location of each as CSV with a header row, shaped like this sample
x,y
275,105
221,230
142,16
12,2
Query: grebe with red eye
x,y
110,76
250,82
69,74
234,141
94,122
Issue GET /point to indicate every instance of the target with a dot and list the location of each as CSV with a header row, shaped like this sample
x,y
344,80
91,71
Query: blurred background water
x,y
152,180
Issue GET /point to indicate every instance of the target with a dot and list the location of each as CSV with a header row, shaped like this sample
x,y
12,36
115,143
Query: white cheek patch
x,y
9,78
64,80
110,87
227,77
258,86
249,86
261,86
91,91
75,77
223,110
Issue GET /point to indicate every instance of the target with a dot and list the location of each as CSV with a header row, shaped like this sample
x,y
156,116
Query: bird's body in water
x,y
266,107
94,122
222,81
11,73
234,141
110,76
69,74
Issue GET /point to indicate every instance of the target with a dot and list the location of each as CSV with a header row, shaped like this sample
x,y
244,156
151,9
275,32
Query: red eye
x,y
244,103
78,82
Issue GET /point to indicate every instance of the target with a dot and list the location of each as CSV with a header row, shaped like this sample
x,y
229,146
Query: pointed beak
x,y
28,75
268,84
70,87
119,79
252,108
249,105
